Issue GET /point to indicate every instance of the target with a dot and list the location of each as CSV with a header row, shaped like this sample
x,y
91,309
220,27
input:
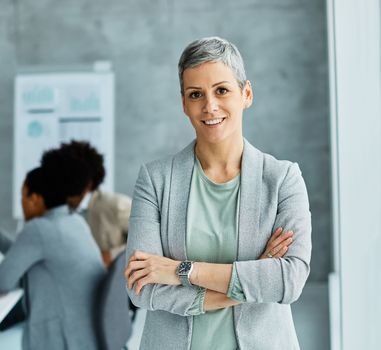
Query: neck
x,y
220,161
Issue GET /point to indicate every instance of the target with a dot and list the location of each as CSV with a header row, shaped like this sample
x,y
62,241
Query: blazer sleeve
x,y
5,242
144,234
281,280
24,253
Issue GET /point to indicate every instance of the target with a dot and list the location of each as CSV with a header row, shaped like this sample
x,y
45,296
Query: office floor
x,y
311,318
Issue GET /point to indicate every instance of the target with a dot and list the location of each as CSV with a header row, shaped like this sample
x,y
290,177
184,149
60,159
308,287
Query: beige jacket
x,y
108,215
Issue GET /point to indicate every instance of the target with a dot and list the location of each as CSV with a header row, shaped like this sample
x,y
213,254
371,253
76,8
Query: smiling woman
x,y
220,233
214,101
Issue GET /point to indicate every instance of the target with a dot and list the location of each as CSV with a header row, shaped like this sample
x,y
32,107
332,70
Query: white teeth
x,y
214,121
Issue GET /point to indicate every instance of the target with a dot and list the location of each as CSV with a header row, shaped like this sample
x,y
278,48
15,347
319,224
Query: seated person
x,y
61,262
107,213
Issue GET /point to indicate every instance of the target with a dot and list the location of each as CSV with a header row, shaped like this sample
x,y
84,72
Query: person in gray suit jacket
x,y
220,234
62,264
107,213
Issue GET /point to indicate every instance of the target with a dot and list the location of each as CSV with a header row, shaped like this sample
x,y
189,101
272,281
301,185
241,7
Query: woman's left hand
x,y
278,244
144,268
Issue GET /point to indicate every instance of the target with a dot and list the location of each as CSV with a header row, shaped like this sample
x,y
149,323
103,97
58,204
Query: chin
x,y
217,139
27,217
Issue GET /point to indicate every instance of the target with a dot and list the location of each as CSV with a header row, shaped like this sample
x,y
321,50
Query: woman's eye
x,y
195,94
222,91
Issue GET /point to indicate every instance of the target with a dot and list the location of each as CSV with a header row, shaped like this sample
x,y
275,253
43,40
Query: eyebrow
x,y
198,88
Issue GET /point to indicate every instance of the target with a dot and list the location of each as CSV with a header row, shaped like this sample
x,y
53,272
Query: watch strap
x,y
184,279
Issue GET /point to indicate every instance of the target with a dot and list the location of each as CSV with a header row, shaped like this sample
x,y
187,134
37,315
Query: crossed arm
x,y
144,268
281,280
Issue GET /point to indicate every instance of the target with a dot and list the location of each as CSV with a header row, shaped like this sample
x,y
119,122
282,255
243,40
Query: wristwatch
x,y
183,271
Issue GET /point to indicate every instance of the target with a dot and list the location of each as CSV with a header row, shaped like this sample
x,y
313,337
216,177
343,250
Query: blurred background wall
x,y
284,46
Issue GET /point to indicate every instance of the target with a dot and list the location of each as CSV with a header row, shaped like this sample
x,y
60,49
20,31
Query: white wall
x,y
354,37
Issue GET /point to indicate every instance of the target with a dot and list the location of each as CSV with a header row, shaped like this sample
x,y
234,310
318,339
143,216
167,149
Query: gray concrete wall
x,y
283,44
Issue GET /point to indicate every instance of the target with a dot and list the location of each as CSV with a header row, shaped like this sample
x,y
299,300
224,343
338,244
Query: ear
x,y
36,205
37,201
248,94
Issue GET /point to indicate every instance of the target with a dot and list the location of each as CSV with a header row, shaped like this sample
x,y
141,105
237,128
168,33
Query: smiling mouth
x,y
213,121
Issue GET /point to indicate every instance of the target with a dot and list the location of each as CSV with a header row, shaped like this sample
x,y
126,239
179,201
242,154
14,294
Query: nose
x,y
211,104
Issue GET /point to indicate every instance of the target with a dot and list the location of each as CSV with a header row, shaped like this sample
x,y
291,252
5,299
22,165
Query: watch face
x,y
184,267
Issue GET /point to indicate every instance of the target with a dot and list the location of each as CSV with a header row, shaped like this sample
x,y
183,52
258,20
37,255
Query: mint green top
x,y
212,236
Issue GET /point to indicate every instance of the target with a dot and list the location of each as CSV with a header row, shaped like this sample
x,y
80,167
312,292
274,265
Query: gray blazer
x,y
273,194
63,266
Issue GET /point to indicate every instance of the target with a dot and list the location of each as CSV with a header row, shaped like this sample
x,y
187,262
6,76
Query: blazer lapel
x,y
182,169
250,199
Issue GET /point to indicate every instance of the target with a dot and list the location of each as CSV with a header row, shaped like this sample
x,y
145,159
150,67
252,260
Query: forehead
x,y
208,73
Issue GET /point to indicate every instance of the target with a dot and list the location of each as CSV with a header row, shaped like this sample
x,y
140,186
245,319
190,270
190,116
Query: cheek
x,y
235,108
24,203
191,110
26,209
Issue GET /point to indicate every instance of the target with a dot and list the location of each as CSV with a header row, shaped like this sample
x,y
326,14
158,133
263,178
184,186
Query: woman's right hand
x,y
278,243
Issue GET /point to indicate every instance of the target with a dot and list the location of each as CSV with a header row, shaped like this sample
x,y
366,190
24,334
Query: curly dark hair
x,y
48,182
88,154
71,173
83,157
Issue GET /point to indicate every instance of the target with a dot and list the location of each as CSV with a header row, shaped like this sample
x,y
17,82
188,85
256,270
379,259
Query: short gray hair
x,y
212,49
